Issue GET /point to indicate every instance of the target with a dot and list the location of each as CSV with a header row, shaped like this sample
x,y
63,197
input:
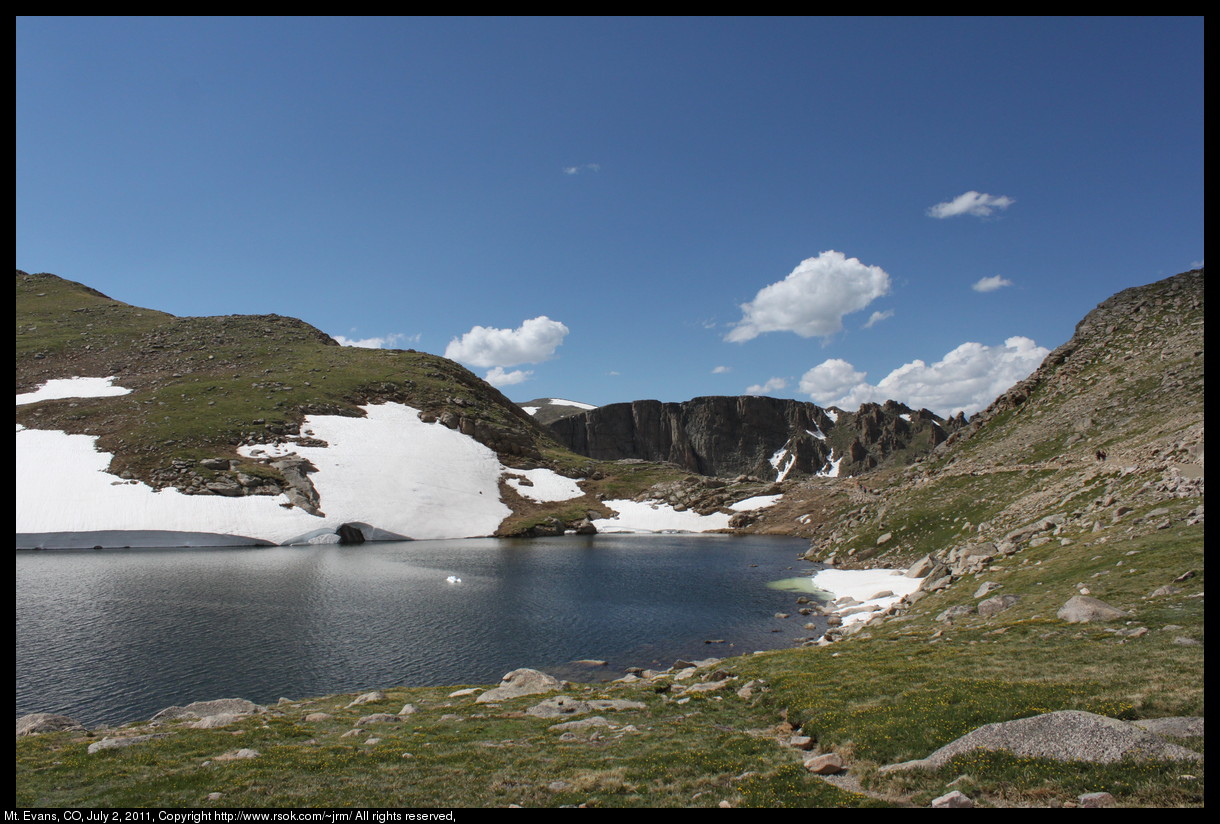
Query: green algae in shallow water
x,y
803,584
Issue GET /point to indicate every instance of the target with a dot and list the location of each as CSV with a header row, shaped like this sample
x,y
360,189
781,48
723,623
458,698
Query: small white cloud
x,y
813,299
877,317
967,379
770,386
991,284
583,167
971,203
391,341
534,341
498,377
721,370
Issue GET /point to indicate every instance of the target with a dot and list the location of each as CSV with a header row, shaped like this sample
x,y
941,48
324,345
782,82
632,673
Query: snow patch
x,y
532,410
577,404
73,388
863,585
655,516
821,436
782,461
757,502
545,485
388,469
831,470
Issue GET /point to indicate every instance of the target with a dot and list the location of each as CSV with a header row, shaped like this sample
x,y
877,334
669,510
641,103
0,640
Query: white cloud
x,y
831,378
877,317
967,379
770,386
498,377
971,203
813,299
583,167
390,341
534,341
721,370
991,284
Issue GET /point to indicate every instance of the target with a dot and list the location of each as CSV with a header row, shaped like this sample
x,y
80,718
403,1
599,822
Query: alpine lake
x,y
112,636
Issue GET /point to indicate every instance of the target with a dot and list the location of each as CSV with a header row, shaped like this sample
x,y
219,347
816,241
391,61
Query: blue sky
x,y
607,209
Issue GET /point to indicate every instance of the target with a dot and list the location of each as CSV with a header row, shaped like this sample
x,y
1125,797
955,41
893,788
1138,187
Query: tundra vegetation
x,y
1084,479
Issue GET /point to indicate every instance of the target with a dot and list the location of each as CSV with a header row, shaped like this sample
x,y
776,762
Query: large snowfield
x,y
388,469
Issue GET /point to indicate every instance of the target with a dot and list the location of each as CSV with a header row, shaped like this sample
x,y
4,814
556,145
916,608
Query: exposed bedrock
x,y
749,435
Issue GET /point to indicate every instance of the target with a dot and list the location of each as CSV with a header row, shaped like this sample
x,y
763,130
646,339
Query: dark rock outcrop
x,y
769,438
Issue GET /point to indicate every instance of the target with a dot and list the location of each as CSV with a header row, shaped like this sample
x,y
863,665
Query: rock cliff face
x,y
769,438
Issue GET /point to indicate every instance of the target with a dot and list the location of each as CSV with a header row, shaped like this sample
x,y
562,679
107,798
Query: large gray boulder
x,y
1081,609
41,722
997,604
1067,735
517,683
203,709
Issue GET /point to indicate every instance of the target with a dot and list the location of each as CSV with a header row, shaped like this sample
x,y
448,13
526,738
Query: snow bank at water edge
x,y
861,594
388,469
655,516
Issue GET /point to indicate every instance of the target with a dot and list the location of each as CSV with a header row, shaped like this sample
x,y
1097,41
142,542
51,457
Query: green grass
x,y
894,692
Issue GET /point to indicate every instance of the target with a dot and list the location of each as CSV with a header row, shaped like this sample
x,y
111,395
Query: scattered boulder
x,y
953,613
921,567
368,698
520,682
826,764
997,604
211,722
1100,799
580,724
119,743
1081,609
953,800
986,588
378,718
1067,735
202,709
237,755
558,706
40,722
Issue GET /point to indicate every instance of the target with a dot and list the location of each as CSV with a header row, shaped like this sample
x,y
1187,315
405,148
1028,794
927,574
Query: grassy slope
x,y
203,386
895,691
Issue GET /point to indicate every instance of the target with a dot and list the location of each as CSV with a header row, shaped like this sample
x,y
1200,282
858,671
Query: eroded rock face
x,y
751,435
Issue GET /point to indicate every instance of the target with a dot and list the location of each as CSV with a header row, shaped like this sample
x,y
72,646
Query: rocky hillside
x,y
203,386
1108,431
767,438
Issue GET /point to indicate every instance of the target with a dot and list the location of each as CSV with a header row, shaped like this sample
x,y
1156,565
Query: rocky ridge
x,y
764,438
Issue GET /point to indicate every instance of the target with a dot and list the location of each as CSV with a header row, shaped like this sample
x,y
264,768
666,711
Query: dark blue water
x,y
114,636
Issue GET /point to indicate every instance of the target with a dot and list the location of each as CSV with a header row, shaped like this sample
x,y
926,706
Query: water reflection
x,y
116,635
